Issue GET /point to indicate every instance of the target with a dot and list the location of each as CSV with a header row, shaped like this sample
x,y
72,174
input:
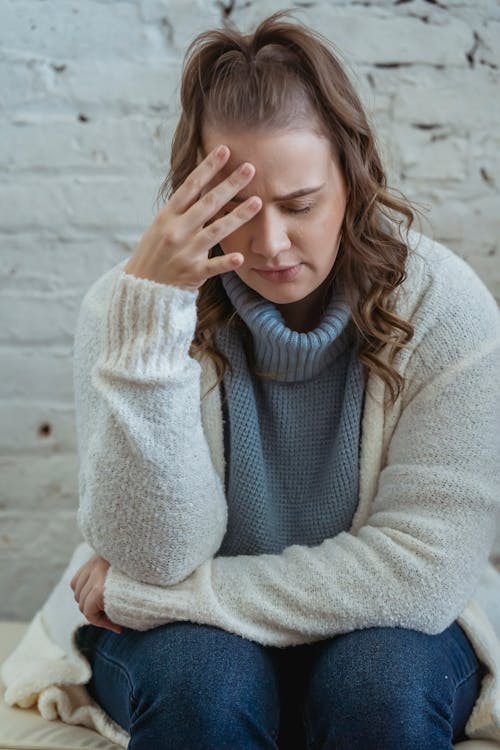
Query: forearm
x,y
386,576
151,502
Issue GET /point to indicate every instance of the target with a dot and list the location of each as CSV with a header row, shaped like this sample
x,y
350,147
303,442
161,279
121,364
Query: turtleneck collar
x,y
297,356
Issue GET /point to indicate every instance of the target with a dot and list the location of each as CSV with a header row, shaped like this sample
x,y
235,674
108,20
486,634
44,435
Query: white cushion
x,y
24,728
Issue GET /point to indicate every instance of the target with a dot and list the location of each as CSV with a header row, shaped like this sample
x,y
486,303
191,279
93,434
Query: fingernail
x,y
221,151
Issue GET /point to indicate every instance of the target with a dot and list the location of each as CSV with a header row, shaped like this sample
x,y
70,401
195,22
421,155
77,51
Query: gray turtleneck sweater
x,y
291,443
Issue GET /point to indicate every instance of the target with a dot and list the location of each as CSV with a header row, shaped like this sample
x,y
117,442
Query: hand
x,y
88,585
174,249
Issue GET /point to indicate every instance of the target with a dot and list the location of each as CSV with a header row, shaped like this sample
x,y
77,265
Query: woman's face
x,y
301,231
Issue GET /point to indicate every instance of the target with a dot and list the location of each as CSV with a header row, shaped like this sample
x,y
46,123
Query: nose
x,y
269,237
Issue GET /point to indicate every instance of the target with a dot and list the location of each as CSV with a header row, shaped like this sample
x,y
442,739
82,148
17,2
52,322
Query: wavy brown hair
x,y
276,77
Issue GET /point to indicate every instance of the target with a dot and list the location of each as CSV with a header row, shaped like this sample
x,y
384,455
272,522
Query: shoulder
x,y
448,304
439,281
455,318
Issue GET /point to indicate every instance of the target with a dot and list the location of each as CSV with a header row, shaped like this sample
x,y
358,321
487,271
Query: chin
x,y
282,296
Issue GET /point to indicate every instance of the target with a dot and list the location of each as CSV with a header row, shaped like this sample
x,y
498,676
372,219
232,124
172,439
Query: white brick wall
x,y
89,97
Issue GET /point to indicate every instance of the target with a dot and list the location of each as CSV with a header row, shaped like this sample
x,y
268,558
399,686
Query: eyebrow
x,y
288,196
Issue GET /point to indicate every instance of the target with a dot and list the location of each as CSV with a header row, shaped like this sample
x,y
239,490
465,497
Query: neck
x,y
306,314
294,355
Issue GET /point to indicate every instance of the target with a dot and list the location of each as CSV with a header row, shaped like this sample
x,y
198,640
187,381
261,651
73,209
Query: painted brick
x,y
377,36
39,483
38,319
41,544
38,428
111,146
43,262
80,201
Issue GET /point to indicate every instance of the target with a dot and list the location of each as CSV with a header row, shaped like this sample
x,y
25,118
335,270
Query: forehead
x,y
288,159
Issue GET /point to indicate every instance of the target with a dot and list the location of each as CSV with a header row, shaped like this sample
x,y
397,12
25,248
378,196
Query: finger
x,y
216,198
223,264
103,621
84,594
221,228
95,614
187,193
76,576
81,582
91,608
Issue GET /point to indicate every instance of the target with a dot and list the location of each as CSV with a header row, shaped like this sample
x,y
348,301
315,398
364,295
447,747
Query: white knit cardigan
x,y
416,555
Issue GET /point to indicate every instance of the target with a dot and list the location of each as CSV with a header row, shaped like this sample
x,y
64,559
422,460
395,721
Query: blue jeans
x,y
197,687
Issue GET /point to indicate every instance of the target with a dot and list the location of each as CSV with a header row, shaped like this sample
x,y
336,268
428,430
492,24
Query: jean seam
x,y
476,669
464,680
123,670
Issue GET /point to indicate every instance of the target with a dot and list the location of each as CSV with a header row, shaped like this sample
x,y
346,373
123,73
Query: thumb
x,y
103,621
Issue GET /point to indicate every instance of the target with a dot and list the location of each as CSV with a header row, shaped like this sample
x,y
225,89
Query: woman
x,y
287,418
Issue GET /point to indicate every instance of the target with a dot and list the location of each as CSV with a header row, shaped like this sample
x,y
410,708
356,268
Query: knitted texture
x,y
293,441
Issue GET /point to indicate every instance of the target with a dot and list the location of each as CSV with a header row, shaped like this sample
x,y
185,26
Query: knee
x,y
219,692
377,664
206,711
202,664
368,691
381,727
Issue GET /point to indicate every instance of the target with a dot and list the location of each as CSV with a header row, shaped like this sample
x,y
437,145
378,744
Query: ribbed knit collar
x,y
297,356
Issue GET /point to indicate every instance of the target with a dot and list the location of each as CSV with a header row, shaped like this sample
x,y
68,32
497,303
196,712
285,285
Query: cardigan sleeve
x,y
417,560
151,501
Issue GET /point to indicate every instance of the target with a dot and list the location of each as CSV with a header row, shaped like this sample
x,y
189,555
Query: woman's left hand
x,y
88,585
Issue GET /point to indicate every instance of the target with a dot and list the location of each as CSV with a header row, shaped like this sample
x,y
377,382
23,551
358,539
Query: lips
x,y
280,268
289,273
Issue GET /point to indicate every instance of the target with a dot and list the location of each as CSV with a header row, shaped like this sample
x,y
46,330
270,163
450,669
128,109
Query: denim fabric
x,y
197,687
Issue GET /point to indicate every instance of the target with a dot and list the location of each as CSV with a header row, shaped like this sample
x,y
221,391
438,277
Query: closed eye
x,y
304,210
